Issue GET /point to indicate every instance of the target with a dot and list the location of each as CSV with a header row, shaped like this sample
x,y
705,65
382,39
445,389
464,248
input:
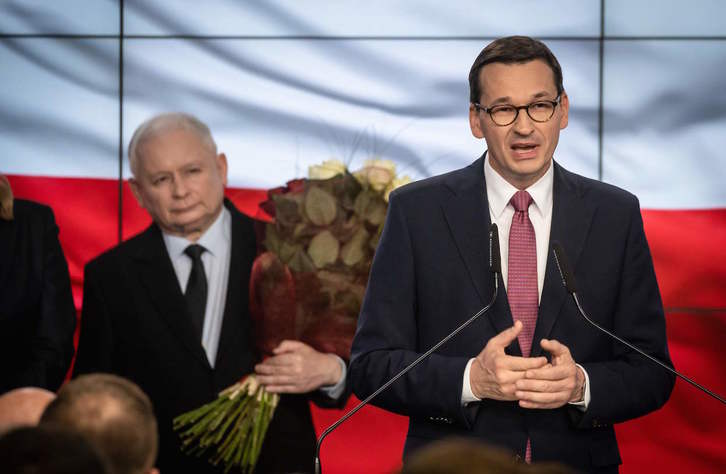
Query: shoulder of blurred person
x,y
38,313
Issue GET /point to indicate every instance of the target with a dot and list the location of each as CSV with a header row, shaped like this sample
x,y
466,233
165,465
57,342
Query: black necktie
x,y
196,292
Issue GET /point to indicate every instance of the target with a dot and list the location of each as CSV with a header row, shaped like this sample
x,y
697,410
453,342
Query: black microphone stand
x,y
495,265
568,279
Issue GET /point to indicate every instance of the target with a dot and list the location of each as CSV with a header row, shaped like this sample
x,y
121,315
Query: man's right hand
x,y
493,373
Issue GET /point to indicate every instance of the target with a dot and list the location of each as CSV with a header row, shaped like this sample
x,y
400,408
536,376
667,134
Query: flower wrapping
x,y
309,282
306,284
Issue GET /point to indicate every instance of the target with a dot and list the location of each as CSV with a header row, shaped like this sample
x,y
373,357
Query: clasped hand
x,y
295,367
533,381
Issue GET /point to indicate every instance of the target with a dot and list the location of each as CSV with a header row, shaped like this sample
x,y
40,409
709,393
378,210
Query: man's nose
x,y
180,188
523,124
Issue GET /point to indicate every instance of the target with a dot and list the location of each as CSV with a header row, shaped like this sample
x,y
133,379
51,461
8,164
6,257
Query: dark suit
x,y
135,324
37,315
430,273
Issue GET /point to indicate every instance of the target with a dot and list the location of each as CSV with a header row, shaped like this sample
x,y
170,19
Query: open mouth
x,y
524,150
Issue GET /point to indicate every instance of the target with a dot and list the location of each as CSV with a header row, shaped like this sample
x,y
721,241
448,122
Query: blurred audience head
x,y
23,407
48,450
112,413
6,199
468,456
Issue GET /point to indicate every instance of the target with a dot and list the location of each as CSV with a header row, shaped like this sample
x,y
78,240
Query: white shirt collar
x,y
500,191
212,240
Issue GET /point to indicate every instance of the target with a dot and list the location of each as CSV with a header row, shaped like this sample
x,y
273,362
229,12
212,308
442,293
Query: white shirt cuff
x,y
582,405
335,391
467,395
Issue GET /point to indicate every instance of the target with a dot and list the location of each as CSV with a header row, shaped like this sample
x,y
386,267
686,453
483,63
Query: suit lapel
x,y
571,218
467,215
156,274
235,331
8,250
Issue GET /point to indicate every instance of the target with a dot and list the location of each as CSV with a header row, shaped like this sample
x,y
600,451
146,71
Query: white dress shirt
x,y
217,241
501,212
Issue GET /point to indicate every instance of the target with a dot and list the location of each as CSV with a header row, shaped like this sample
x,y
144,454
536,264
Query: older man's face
x,y
180,183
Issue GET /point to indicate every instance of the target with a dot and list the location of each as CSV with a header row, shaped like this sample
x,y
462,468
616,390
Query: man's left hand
x,y
553,385
295,367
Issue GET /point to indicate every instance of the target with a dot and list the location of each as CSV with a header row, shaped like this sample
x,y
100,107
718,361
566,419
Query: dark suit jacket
x,y
431,272
135,324
37,315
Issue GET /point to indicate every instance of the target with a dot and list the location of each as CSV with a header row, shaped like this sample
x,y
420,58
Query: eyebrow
x,y
508,100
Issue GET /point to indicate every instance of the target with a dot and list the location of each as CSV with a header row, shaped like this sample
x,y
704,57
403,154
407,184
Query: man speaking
x,y
530,375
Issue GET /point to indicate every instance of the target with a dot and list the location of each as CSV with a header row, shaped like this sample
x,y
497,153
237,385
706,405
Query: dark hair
x,y
512,50
114,414
48,450
471,456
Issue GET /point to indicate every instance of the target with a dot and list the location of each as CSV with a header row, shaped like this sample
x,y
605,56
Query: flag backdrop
x,y
285,84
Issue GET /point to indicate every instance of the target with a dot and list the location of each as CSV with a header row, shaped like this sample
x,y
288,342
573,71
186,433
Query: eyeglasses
x,y
505,114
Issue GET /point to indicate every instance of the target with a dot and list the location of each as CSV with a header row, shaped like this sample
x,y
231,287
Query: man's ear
x,y
222,167
134,185
565,104
475,122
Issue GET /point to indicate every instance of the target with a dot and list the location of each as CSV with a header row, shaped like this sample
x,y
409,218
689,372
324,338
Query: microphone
x,y
568,280
495,265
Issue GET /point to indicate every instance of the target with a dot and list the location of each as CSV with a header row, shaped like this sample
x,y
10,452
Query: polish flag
x,y
405,101
690,260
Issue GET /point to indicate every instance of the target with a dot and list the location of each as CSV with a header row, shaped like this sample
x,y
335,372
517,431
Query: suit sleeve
x,y
628,385
52,346
386,337
95,343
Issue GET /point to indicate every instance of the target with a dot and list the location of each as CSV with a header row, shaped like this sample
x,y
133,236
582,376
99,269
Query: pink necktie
x,y
522,278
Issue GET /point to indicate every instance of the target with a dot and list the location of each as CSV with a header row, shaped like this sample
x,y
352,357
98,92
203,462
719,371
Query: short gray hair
x,y
163,123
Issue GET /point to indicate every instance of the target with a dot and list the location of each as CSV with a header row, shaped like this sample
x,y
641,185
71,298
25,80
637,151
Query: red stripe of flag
x,y
690,261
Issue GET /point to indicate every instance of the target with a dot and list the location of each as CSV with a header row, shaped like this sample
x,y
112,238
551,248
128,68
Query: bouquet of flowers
x,y
307,284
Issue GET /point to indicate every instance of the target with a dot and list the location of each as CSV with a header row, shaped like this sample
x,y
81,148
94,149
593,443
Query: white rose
x,y
377,173
378,163
396,183
327,169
